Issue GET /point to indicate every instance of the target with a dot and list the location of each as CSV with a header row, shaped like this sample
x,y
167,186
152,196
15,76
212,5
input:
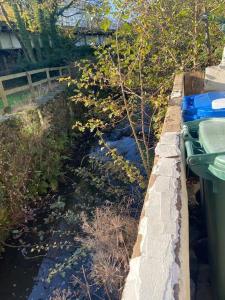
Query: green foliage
x,y
29,163
36,25
31,149
131,77
105,25
159,106
107,181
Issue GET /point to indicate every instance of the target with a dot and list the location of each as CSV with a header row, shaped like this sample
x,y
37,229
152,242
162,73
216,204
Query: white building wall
x,y
8,41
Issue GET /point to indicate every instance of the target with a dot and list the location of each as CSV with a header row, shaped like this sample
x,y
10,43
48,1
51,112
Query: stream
x,y
22,278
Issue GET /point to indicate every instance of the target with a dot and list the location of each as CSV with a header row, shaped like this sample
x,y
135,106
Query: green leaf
x,y
54,184
105,25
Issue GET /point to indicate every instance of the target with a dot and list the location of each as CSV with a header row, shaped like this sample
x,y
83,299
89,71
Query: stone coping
x,y
159,267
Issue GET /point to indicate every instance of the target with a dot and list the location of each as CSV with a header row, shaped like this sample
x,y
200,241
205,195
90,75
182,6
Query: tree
x,y
133,75
8,12
36,21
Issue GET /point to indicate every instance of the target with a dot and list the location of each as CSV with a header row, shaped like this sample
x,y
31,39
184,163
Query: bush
x,y
31,147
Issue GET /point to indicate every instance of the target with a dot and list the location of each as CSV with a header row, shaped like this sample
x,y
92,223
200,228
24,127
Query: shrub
x,y
31,147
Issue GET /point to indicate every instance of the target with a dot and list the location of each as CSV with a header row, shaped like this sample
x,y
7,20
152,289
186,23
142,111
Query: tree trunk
x,y
195,37
24,34
43,28
53,32
15,32
37,46
207,37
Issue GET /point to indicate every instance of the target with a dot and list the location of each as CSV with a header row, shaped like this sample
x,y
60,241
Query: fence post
x,y
60,72
3,95
49,79
30,83
69,70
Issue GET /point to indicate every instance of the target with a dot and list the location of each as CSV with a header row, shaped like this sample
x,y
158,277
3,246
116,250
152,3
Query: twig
x,y
86,283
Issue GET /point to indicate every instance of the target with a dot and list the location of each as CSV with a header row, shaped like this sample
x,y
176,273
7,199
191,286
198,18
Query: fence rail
x,y
30,85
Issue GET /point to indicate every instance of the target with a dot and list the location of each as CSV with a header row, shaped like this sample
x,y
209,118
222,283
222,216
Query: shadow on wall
x,y
194,83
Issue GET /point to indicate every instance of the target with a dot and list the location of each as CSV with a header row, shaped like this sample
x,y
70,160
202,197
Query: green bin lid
x,y
212,139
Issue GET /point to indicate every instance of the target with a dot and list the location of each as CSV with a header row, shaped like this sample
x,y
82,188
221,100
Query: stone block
x,y
215,78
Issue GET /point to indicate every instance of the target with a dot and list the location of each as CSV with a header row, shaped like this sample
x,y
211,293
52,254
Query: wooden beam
x,y
3,95
40,82
49,79
60,72
17,89
31,87
13,76
37,71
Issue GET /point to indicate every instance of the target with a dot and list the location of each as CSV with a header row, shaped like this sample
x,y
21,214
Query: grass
x,y
16,99
25,97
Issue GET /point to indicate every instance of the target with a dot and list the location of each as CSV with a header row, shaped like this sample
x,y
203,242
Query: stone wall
x,y
159,268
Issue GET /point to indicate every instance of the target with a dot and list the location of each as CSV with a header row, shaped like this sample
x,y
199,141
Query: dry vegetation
x,y
110,237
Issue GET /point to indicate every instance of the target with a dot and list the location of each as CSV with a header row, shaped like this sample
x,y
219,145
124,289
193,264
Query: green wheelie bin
x,y
205,149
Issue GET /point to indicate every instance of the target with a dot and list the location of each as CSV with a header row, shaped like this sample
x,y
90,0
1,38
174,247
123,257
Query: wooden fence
x,y
30,85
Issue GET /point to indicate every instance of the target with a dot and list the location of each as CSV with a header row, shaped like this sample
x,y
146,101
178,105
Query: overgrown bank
x,y
40,151
32,146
